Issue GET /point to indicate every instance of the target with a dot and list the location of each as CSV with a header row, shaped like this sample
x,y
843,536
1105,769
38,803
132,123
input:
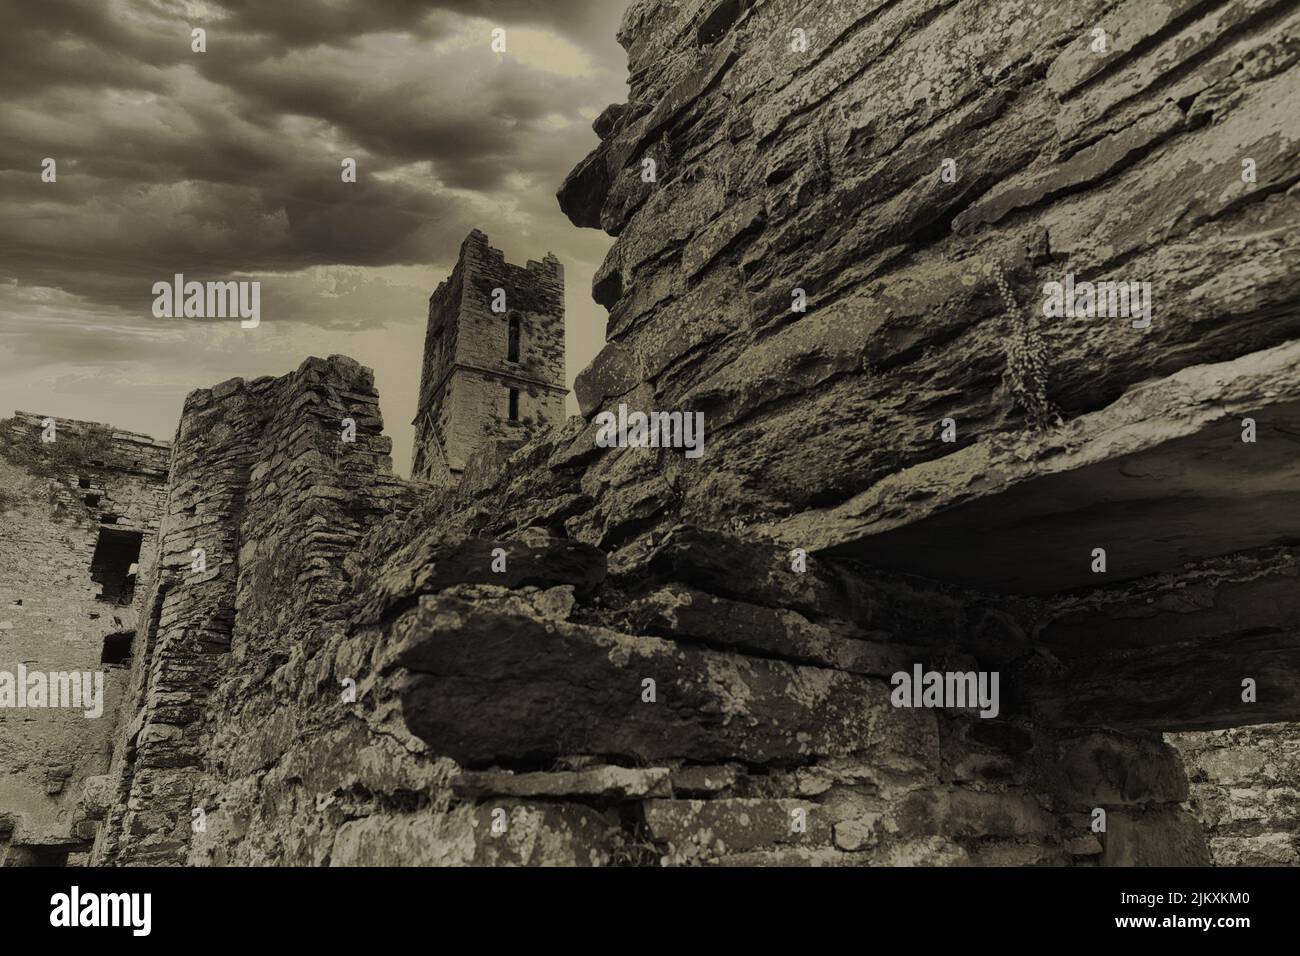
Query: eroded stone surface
x,y
1243,789
1157,479
80,521
1060,153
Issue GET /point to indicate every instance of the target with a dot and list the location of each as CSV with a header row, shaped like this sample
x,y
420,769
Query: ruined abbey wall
x,y
265,495
1243,787
334,688
80,518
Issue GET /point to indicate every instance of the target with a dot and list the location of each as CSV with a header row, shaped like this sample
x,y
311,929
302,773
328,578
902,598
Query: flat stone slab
x,y
714,827
614,782
486,681
1159,478
686,615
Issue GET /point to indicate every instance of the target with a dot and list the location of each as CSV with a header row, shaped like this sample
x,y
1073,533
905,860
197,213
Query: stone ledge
x,y
1159,478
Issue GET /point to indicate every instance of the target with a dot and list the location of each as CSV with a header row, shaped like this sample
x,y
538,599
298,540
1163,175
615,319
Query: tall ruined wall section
x,y
80,519
265,496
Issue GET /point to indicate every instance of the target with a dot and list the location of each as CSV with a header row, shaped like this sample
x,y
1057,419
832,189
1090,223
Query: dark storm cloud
x,y
474,134
77,43
297,23
228,161
87,42
209,231
306,22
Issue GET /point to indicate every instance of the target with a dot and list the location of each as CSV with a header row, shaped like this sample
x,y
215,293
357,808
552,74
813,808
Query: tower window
x,y
512,339
514,404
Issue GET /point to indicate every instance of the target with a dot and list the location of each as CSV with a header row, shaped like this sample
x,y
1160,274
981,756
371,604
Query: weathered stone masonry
x,y
264,486
1243,787
350,681
477,360
80,518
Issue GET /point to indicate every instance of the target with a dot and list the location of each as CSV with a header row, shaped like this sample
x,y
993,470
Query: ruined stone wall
x,y
770,700
1244,790
332,686
61,611
265,495
769,703
917,171
612,656
780,168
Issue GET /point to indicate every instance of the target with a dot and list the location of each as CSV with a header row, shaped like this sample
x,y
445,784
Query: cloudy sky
x,y
226,165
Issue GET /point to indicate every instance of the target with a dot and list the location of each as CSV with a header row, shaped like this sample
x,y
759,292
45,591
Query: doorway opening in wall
x,y
114,564
117,648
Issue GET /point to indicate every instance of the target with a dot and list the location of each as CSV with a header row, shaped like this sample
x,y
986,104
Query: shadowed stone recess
x,y
1157,479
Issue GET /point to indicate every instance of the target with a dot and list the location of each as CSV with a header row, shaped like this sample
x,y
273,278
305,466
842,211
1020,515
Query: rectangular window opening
x,y
514,404
113,566
117,648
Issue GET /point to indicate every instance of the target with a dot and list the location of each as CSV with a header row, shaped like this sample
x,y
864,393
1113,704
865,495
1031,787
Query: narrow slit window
x,y
512,339
514,404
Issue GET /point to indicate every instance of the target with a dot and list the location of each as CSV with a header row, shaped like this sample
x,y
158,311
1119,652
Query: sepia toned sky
x,y
226,165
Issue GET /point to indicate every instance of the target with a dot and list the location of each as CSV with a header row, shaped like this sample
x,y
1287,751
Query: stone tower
x,y
493,371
